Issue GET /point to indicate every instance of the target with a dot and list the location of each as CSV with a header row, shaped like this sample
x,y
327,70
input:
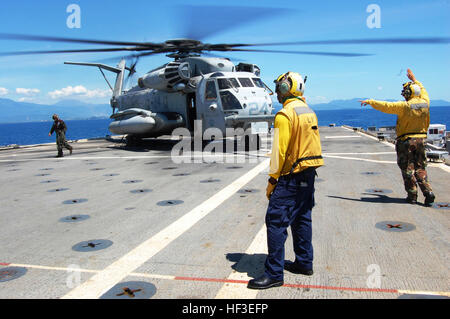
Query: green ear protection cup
x,y
284,88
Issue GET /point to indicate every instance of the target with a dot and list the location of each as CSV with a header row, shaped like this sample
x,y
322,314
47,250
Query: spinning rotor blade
x,y
338,54
72,51
127,57
431,40
140,55
7,36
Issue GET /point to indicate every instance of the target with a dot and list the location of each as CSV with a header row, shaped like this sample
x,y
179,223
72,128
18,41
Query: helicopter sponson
x,y
138,121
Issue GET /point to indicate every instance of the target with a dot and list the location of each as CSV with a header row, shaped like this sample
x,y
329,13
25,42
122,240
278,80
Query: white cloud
x,y
78,91
97,93
3,91
27,92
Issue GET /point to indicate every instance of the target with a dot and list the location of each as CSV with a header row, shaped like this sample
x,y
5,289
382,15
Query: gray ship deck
x,y
197,230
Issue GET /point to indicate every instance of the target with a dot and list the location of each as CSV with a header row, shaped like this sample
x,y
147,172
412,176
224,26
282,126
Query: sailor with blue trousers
x,y
296,153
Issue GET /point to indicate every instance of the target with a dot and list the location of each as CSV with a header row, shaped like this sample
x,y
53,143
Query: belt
x,y
304,159
399,137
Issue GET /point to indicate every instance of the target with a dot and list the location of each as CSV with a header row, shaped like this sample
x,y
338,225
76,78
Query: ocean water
x,y
367,116
37,132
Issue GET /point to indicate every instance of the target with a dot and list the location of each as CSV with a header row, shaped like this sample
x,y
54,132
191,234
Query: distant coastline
x,y
23,112
93,118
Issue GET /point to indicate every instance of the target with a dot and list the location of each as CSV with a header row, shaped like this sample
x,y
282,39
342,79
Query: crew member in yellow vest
x,y
296,153
412,125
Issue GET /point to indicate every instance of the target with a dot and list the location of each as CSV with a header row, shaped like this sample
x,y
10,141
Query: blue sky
x,y
45,79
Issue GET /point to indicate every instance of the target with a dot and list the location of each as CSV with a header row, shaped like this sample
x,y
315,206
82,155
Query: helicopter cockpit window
x,y
229,101
245,82
210,93
228,83
258,82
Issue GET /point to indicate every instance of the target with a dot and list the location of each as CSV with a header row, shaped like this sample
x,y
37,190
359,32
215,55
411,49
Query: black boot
x,y
264,282
296,269
412,198
429,199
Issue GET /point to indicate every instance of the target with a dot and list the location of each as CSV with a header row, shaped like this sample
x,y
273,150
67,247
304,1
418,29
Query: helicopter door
x,y
191,110
209,106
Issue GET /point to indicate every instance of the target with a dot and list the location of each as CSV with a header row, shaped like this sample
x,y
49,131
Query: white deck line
x,y
442,166
238,291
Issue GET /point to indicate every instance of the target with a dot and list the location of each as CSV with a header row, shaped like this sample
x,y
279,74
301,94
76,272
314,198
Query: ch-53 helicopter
x,y
192,87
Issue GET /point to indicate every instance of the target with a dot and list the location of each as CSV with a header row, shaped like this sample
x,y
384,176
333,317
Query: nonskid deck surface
x,y
117,222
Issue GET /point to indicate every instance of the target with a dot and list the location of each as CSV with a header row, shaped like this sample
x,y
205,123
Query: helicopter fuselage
x,y
211,90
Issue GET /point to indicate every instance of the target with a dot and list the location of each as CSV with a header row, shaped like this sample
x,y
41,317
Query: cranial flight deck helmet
x,y
410,90
290,83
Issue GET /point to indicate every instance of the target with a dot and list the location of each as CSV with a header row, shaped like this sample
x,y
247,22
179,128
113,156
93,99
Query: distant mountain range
x,y
14,112
354,104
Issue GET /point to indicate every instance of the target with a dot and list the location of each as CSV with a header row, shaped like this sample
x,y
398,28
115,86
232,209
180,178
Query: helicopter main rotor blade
x,y
7,36
338,54
131,56
204,21
72,51
429,40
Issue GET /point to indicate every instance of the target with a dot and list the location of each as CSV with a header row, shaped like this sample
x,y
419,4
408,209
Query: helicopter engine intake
x,y
168,78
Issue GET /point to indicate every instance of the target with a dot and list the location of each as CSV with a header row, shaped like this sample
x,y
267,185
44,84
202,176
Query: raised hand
x,y
410,75
364,102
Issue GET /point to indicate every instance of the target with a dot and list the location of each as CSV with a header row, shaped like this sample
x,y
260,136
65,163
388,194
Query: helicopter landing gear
x,y
132,140
251,142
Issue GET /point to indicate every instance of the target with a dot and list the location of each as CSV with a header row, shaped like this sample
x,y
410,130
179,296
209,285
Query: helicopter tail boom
x,y
119,70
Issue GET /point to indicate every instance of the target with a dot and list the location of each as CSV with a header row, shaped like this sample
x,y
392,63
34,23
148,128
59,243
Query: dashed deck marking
x,y
111,275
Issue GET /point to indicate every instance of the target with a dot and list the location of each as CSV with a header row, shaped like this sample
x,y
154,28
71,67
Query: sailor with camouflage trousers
x,y
412,162
60,128
412,125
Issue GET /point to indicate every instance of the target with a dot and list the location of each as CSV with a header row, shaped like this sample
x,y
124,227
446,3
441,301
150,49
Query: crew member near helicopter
x,y
296,153
60,128
412,125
